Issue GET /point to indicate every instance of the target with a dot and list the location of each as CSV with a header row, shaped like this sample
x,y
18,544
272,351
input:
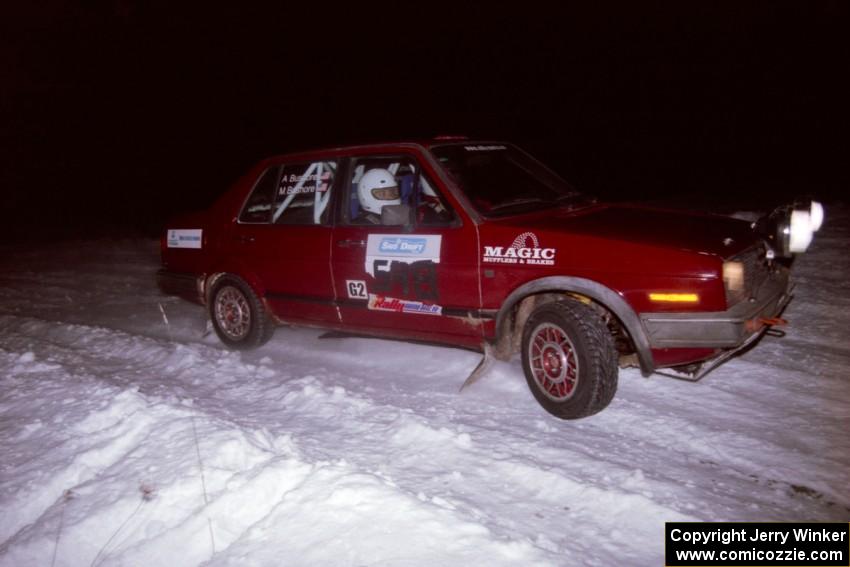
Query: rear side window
x,y
297,193
258,207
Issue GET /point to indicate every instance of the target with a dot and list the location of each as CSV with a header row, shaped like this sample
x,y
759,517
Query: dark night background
x,y
118,114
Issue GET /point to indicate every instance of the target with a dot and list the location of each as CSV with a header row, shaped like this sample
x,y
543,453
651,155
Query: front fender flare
x,y
605,296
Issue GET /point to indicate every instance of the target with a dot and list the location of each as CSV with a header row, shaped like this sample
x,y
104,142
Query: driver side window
x,y
399,183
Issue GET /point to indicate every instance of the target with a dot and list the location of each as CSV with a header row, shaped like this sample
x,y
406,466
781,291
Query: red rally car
x,y
476,244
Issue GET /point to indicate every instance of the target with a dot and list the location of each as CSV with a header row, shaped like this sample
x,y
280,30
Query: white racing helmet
x,y
376,189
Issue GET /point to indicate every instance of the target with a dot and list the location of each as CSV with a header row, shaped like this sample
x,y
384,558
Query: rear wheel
x,y
569,359
240,319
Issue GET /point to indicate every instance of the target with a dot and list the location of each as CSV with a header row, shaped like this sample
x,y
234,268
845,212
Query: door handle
x,y
350,243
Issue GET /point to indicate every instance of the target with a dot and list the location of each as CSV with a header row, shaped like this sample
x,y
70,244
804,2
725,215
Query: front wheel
x,y
240,319
569,359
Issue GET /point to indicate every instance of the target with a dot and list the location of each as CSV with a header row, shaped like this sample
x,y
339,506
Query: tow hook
x,y
757,324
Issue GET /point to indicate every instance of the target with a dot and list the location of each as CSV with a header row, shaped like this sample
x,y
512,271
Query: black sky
x,y
118,114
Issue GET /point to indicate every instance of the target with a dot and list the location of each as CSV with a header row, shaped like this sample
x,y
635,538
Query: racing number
x,y
356,289
421,276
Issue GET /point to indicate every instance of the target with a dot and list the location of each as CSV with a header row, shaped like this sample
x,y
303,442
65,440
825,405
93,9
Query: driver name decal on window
x,y
293,184
525,249
401,248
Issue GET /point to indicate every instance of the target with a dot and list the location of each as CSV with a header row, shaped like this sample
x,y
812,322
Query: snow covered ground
x,y
128,441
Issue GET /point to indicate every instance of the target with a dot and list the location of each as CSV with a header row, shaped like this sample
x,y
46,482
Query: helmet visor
x,y
385,193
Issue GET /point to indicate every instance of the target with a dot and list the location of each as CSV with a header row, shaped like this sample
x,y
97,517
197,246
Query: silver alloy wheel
x,y
553,362
232,312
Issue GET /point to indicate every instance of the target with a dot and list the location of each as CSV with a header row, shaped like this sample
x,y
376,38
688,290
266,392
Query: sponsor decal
x,y
387,249
402,245
356,289
393,304
184,237
525,249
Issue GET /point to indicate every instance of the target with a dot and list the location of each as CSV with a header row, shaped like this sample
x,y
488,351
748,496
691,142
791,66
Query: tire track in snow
x,y
94,347
312,405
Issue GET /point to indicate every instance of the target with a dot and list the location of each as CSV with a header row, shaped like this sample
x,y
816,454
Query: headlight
x,y
733,276
733,281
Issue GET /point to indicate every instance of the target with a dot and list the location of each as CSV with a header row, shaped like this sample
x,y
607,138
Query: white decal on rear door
x,y
184,237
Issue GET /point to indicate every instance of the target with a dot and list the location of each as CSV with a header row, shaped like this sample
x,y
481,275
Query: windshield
x,y
500,180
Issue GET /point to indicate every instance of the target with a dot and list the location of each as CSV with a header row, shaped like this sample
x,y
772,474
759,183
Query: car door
x,y
281,240
416,279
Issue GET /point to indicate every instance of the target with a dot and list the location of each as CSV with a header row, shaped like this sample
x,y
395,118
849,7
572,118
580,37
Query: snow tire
x,y
239,317
569,359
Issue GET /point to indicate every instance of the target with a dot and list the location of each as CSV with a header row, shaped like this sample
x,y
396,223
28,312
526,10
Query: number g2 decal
x,y
356,289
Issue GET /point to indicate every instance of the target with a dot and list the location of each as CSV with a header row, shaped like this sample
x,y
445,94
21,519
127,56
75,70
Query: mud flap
x,y
486,363
208,328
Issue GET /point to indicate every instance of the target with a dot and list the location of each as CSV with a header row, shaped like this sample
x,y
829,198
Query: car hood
x,y
684,231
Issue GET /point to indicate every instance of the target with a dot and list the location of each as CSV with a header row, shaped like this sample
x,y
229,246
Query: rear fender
x,y
236,270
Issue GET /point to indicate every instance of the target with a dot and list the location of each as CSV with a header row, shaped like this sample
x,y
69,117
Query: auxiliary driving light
x,y
790,228
804,223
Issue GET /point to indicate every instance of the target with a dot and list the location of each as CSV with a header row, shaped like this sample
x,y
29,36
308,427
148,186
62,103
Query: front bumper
x,y
720,329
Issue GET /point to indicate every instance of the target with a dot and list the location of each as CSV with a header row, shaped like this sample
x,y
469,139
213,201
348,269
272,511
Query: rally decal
x,y
184,238
387,249
524,250
356,289
383,303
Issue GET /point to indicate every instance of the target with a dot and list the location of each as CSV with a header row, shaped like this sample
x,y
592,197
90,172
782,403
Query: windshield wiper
x,y
568,196
576,199
517,202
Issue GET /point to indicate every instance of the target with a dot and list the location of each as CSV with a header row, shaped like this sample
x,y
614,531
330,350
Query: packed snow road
x,y
129,437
